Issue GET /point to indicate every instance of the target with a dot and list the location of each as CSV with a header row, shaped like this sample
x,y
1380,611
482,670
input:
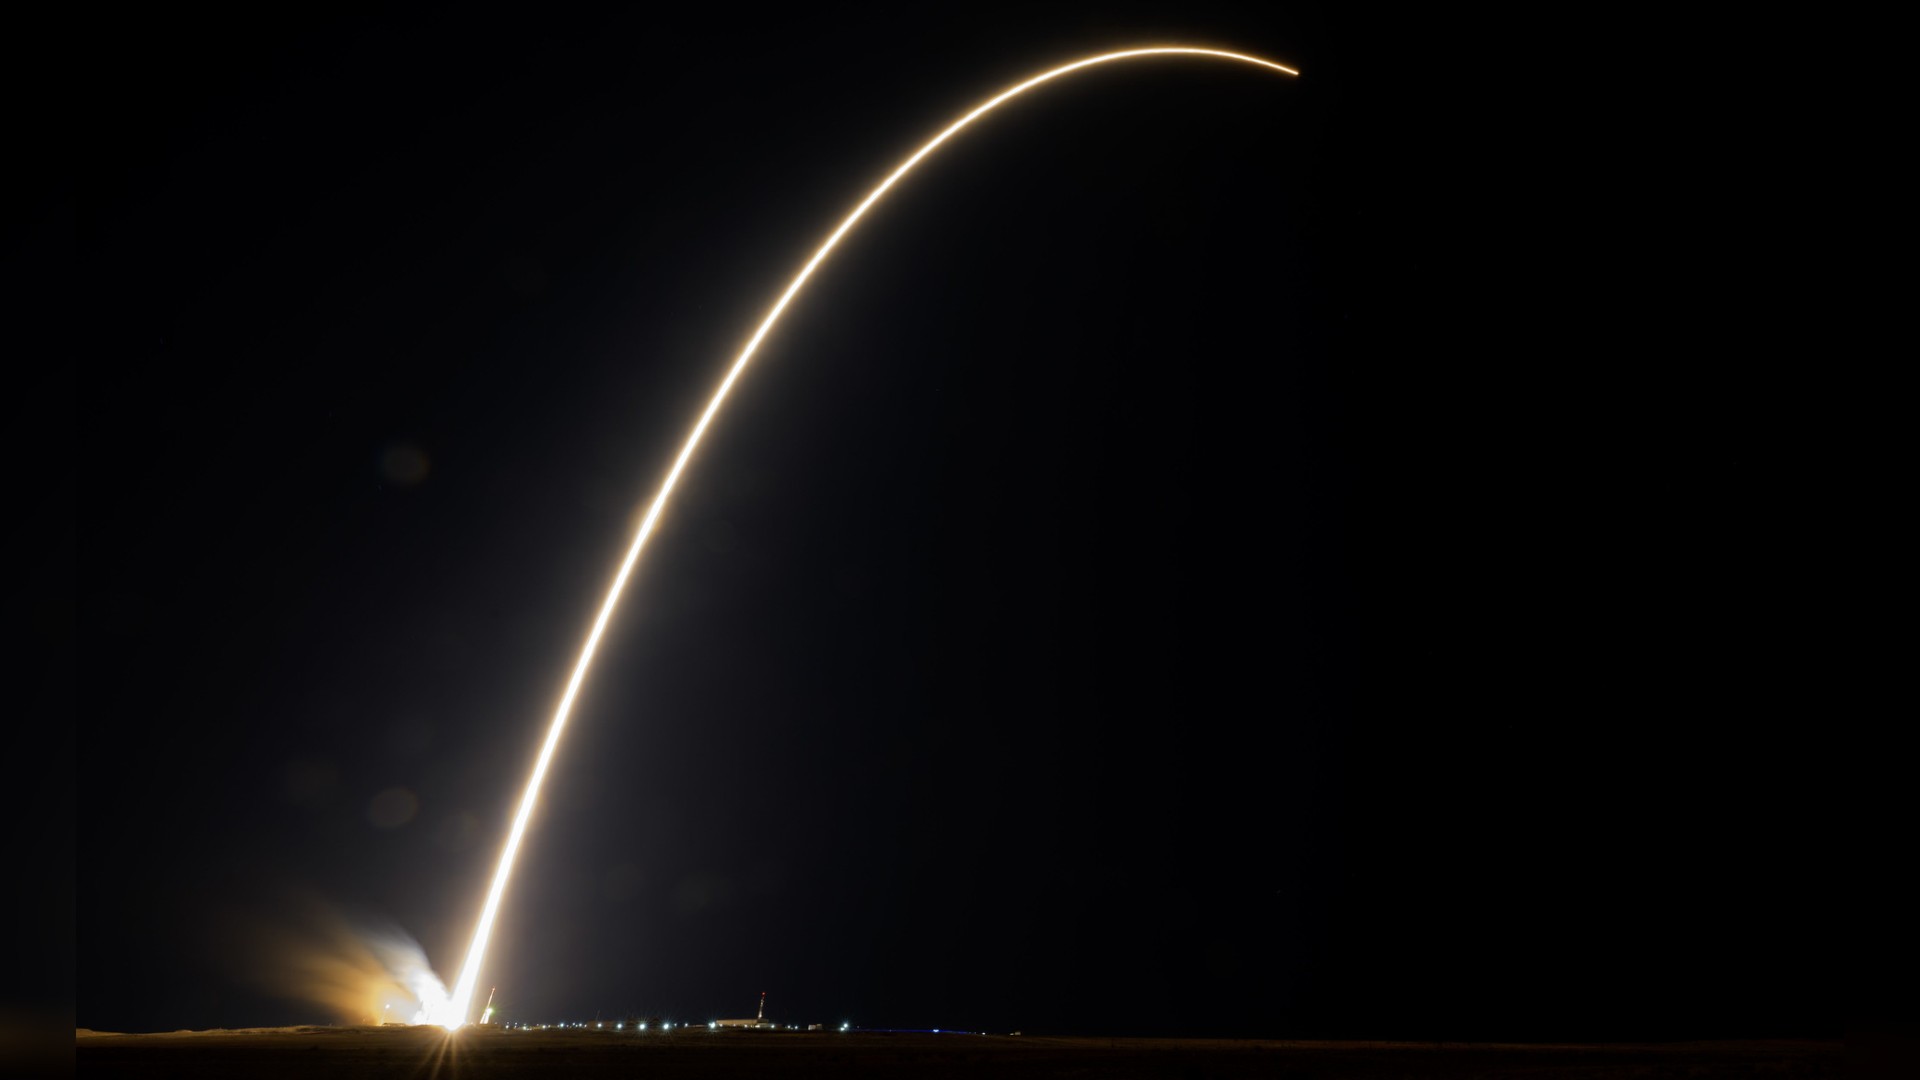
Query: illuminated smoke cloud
x,y
356,970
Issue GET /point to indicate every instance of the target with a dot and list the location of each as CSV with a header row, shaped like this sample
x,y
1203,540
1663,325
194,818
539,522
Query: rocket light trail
x,y
453,1013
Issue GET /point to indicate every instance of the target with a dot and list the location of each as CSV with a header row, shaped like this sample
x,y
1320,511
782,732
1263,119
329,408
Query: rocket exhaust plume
x,y
457,1007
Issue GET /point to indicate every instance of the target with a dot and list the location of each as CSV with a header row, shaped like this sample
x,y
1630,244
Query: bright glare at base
x,y
455,1011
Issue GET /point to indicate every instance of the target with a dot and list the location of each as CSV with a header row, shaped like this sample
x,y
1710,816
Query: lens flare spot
x,y
404,465
392,808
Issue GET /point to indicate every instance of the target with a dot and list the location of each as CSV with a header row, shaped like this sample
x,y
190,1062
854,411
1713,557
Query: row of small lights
x,y
640,1027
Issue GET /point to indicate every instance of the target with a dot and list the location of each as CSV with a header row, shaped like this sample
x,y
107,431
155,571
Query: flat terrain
x,y
424,1053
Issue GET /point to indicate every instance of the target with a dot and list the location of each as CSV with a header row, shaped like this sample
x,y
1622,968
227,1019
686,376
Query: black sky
x,y
1213,555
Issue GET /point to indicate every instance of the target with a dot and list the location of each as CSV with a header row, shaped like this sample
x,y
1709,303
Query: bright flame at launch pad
x,y
453,1012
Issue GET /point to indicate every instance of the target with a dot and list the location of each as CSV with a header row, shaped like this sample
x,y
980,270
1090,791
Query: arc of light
x,y
461,1001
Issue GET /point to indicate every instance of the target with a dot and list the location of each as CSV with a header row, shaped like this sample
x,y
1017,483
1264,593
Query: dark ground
x,y
290,1053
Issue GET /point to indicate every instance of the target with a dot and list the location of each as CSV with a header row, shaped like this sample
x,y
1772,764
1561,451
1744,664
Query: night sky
x,y
1214,554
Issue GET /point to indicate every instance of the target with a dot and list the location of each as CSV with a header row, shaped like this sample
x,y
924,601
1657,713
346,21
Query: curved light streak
x,y
460,1003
